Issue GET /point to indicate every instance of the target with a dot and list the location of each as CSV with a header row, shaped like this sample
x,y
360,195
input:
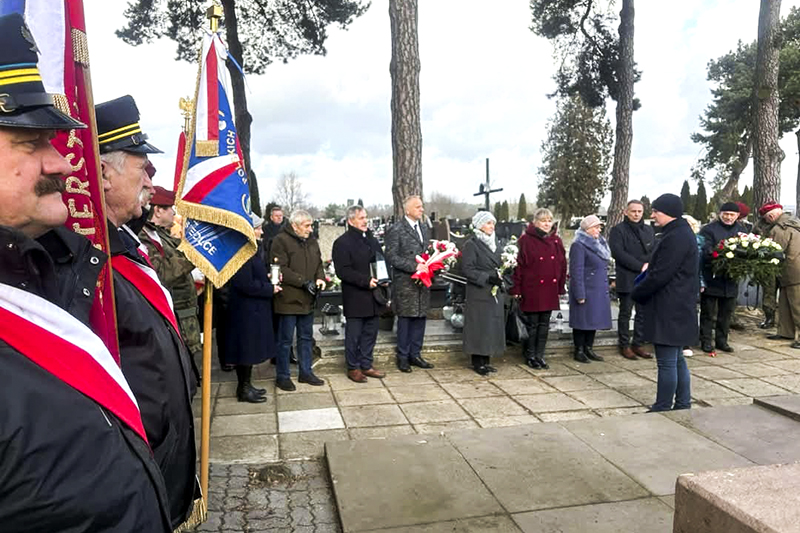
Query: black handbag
x,y
516,330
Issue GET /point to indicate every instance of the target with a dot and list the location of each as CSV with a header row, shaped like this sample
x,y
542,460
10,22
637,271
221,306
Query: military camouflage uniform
x,y
174,271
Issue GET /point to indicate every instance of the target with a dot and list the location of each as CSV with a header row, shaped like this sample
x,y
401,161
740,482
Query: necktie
x,y
419,231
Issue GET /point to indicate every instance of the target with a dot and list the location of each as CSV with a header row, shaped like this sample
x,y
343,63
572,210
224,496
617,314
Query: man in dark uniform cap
x,y
74,452
154,358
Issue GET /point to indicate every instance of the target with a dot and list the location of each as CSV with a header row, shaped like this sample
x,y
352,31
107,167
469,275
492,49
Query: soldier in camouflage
x,y
172,267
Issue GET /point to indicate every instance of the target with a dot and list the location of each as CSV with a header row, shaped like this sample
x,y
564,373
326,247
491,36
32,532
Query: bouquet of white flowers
x,y
509,258
748,255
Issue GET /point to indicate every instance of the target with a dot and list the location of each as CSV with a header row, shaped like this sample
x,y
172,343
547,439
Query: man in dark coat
x,y
358,258
631,242
405,240
74,454
718,301
154,359
668,292
297,252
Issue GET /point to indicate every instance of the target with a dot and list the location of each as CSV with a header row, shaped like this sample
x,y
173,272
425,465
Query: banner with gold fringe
x,y
213,194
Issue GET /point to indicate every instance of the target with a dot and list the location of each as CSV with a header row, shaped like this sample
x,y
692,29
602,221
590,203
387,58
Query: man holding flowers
x,y
718,300
785,231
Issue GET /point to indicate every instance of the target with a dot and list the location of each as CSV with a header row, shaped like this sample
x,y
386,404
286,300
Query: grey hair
x,y
409,198
542,213
299,216
353,211
115,159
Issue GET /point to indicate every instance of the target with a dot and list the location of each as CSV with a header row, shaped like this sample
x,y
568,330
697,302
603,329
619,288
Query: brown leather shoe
x,y
357,376
627,353
641,353
372,373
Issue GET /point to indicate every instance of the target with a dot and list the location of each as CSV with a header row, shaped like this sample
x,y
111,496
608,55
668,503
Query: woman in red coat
x,y
538,281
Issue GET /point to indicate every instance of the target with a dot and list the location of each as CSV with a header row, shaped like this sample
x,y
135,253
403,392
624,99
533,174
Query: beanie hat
x,y
669,204
729,206
767,207
589,222
481,218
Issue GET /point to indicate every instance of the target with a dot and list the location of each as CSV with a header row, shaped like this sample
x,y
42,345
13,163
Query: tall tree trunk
x,y
797,186
767,153
406,129
732,184
620,172
243,117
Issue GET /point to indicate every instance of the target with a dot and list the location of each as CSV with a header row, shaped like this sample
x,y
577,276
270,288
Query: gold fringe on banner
x,y
80,47
207,148
218,277
217,216
198,516
62,104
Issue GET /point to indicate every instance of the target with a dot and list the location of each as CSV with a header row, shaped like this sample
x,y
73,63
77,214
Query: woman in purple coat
x,y
538,281
589,300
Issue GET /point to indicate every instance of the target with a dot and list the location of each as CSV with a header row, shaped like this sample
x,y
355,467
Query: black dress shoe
x,y
249,395
591,354
311,379
285,384
420,362
795,345
403,366
533,363
490,368
706,347
777,337
542,363
725,347
482,370
580,356
228,368
257,391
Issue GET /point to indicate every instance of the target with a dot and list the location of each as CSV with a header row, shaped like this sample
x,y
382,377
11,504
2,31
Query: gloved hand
x,y
310,288
495,280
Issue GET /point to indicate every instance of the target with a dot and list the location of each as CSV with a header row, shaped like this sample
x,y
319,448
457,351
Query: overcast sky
x,y
484,84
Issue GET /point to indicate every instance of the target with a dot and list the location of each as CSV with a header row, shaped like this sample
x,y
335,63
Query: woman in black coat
x,y
250,339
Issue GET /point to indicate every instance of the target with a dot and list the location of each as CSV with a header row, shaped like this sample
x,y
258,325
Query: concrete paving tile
x,y
646,448
722,359
382,432
700,358
564,416
232,406
455,374
445,427
308,445
420,376
618,380
244,449
431,412
622,411
339,382
506,372
308,400
791,365
669,500
228,390
631,365
757,370
752,387
720,402
563,471
556,369
472,389
487,524
644,395
546,403
649,515
650,374
716,372
786,405
304,387
782,348
507,421
523,386
435,482
373,415
418,393
760,435
492,407
759,355
348,398
603,398
571,383
230,425
702,389
595,367
310,420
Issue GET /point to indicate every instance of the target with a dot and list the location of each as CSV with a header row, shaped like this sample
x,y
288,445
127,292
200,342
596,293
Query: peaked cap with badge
x,y
24,103
118,127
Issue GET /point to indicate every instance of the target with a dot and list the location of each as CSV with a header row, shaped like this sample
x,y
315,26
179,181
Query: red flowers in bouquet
x,y
440,255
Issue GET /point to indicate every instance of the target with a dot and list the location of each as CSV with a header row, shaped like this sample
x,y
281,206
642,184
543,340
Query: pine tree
x,y
748,198
498,210
522,208
504,214
647,207
576,156
700,211
686,197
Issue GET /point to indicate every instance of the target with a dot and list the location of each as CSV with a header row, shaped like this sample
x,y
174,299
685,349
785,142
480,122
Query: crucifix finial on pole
x,y
486,189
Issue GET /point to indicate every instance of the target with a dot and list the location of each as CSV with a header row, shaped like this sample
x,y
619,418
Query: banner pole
x,y
205,421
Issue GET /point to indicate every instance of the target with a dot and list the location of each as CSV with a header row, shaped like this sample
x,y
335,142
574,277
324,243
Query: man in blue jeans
x,y
668,290
297,252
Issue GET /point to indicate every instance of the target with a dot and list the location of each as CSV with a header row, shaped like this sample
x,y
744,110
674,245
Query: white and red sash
x,y
146,281
62,345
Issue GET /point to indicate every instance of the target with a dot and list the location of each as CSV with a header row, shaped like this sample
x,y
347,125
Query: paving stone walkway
x,y
291,428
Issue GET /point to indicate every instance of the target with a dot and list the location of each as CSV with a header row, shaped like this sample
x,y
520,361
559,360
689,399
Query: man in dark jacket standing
x,y
405,240
631,242
154,359
668,293
718,301
75,456
297,252
357,258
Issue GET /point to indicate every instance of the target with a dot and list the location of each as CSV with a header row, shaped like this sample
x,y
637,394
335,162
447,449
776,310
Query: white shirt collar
x,y
412,222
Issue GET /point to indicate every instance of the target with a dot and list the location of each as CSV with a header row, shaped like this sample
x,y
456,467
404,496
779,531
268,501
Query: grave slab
x,y
785,405
310,420
650,515
488,524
